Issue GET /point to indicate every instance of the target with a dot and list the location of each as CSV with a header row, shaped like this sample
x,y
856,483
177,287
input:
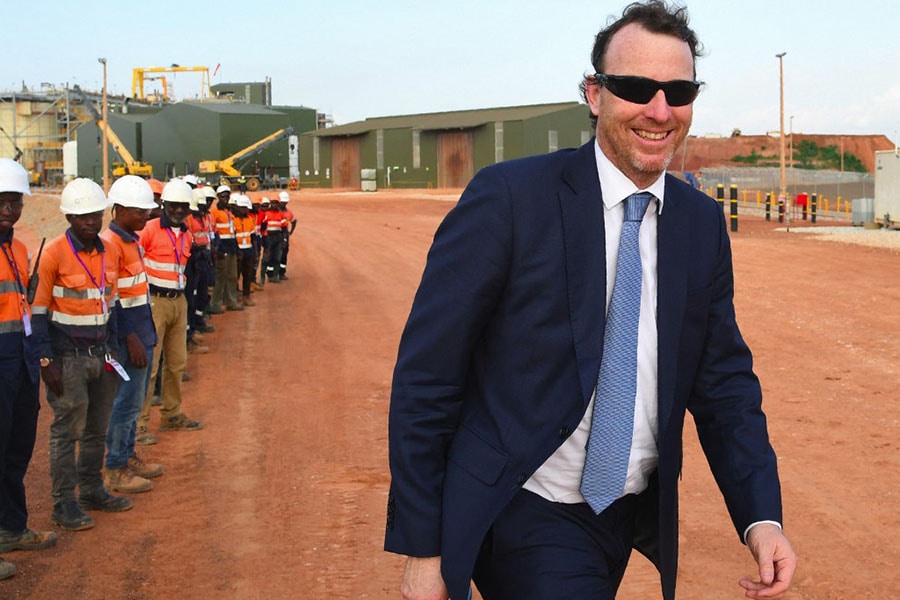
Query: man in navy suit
x,y
497,370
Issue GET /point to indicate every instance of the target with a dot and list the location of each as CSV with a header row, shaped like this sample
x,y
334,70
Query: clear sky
x,y
354,59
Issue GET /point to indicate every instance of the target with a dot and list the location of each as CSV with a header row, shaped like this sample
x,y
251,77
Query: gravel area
x,y
876,238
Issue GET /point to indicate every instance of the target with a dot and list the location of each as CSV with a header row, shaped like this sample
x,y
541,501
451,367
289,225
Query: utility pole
x,y
102,61
783,195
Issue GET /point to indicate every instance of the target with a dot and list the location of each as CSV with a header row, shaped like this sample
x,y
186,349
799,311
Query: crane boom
x,y
129,165
228,165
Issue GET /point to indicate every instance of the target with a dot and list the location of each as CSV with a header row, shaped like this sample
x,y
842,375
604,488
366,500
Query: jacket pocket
x,y
477,457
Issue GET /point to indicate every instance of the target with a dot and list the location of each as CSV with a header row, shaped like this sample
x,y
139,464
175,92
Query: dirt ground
x,y
283,494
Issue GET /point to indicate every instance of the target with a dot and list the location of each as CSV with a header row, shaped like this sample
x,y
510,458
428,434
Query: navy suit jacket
x,y
501,351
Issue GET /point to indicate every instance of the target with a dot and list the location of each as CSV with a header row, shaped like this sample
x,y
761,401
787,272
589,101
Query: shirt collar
x,y
128,237
616,187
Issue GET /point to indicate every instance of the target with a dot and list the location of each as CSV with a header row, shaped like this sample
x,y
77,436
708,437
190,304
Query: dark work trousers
x,y
286,246
276,247
543,550
246,263
19,406
80,417
197,288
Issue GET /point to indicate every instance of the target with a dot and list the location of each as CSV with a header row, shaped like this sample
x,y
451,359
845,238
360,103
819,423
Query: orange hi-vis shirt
x,y
274,220
134,289
201,229
244,229
224,230
166,253
16,333
76,294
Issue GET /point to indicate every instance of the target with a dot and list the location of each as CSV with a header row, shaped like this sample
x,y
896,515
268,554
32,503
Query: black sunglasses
x,y
641,90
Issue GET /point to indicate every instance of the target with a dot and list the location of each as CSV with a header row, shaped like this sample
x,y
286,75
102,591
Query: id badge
x,y
26,321
117,367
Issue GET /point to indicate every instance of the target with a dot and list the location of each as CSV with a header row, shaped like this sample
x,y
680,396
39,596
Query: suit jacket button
x,y
522,479
564,432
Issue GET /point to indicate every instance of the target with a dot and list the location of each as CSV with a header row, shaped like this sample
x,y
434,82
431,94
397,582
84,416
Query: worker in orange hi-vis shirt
x,y
76,330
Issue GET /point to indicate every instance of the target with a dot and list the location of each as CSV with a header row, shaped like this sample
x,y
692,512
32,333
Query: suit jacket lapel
x,y
581,207
672,266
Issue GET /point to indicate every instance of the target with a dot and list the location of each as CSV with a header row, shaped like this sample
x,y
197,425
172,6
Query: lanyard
x,y
26,319
102,286
178,254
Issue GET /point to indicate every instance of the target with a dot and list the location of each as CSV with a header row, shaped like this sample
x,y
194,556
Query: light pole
x,y
102,61
791,151
787,212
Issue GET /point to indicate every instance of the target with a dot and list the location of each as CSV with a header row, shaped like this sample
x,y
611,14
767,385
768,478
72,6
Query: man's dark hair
x,y
656,16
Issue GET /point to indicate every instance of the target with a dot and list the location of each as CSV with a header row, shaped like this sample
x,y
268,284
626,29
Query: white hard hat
x,y
233,199
222,188
264,200
82,196
284,197
191,180
177,191
208,192
13,177
132,191
245,201
197,197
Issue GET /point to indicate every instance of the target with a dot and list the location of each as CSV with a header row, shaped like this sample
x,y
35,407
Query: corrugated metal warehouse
x,y
437,150
175,138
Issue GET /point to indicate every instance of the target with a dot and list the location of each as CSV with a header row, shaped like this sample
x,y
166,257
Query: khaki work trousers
x,y
170,320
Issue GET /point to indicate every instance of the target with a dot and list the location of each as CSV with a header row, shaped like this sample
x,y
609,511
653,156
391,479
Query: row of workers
x,y
92,320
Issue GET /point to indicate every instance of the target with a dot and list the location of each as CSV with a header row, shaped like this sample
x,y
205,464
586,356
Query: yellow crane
x,y
231,172
140,74
128,165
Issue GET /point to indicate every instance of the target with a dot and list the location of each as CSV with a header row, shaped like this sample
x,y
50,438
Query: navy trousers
x,y
544,550
19,406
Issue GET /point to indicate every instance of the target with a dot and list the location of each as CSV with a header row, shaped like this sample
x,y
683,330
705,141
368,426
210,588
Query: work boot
x,y
206,328
126,481
234,307
196,336
248,301
143,437
102,500
255,287
180,422
145,470
282,276
7,569
68,515
214,310
275,278
193,347
26,540
186,376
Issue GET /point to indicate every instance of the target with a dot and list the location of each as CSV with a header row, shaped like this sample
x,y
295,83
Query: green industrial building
x,y
436,150
175,138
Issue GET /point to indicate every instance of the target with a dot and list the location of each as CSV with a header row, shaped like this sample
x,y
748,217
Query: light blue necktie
x,y
609,444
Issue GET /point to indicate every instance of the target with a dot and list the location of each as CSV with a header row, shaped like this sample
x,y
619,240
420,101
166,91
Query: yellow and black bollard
x,y
769,207
812,208
734,208
720,195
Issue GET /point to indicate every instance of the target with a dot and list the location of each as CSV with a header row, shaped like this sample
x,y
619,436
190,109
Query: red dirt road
x,y
282,495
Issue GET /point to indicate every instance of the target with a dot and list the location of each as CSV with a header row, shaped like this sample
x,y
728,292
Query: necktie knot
x,y
636,206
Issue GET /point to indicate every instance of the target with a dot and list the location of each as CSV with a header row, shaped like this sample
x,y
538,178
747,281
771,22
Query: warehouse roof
x,y
460,119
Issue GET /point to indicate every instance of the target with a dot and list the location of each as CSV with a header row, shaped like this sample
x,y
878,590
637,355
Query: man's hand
x,y
776,560
52,377
422,579
137,353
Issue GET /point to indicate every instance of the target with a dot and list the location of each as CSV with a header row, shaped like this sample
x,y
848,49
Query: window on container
x,y
498,141
315,155
585,136
553,140
416,149
379,149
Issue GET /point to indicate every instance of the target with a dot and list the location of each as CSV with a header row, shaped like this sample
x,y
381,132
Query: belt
x,y
98,350
166,294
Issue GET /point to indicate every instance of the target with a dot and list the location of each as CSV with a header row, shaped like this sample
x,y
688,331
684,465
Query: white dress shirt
x,y
559,478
